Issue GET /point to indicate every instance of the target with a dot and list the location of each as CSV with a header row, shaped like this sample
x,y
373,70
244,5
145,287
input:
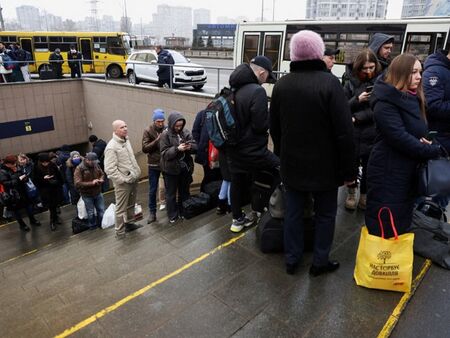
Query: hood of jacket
x,y
438,59
242,75
163,53
388,93
173,118
378,40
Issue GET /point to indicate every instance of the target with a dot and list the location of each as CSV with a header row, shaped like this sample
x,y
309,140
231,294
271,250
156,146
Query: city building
x,y
412,8
172,21
214,36
201,16
346,9
29,18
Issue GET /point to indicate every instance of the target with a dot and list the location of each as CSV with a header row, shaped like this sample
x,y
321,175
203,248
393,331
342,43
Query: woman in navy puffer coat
x,y
400,145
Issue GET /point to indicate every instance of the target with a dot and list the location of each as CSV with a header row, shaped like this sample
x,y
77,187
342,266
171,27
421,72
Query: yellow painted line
x,y
20,256
138,293
396,313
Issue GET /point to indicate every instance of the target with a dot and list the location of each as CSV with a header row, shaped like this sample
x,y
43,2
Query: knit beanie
x,y
73,153
306,45
158,114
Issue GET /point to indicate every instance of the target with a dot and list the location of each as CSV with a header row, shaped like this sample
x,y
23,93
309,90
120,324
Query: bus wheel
x,y
114,72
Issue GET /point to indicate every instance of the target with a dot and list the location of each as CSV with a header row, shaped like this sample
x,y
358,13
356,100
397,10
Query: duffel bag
x,y
79,225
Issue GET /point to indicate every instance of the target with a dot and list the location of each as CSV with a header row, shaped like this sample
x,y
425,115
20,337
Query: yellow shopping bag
x,y
385,264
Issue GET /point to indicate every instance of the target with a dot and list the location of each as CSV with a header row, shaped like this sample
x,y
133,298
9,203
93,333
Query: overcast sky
x,y
141,9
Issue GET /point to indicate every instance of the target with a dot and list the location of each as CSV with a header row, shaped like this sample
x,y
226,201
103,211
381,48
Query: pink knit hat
x,y
306,45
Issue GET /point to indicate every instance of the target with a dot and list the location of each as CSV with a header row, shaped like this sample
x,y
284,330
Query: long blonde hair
x,y
399,75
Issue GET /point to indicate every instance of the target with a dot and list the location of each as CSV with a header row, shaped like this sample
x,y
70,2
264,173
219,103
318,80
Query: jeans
x,y
153,181
325,207
94,203
176,183
224,193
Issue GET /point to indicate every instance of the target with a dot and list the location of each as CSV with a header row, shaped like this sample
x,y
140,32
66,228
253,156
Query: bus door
x,y
272,49
250,46
422,44
86,51
26,44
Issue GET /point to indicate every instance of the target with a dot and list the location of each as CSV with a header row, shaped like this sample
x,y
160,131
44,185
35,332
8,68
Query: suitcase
x,y
196,205
46,73
79,225
270,236
264,184
213,189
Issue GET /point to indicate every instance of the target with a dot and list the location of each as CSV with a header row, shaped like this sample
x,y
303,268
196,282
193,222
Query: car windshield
x,y
178,58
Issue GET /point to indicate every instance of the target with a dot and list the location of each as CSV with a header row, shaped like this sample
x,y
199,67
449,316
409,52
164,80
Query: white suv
x,y
142,66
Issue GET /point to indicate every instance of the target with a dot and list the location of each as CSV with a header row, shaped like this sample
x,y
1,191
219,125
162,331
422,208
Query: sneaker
x,y
174,220
162,206
239,224
120,235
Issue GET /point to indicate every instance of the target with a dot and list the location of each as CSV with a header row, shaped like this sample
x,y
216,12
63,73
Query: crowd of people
x,y
14,62
56,179
368,133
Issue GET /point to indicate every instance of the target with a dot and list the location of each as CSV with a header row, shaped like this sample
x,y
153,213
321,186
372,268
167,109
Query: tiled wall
x,y
80,108
106,102
63,100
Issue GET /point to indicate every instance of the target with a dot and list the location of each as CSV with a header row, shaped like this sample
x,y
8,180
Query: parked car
x,y
142,65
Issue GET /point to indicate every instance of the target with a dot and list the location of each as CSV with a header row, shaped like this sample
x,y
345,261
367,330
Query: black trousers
x,y
325,207
176,184
75,72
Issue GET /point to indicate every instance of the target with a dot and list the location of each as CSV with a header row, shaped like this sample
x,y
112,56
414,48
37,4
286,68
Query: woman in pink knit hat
x,y
312,132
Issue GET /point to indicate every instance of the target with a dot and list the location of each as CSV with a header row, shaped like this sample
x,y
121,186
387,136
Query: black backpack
x,y
220,119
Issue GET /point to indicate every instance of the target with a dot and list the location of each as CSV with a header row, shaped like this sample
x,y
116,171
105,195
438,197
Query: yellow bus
x,y
103,52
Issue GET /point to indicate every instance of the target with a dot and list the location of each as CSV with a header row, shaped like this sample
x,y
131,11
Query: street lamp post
x,y
262,10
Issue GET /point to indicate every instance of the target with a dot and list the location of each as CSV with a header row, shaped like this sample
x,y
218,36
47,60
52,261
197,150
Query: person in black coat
x,y
312,132
74,58
14,183
361,76
201,137
400,145
56,61
176,146
49,180
165,73
252,117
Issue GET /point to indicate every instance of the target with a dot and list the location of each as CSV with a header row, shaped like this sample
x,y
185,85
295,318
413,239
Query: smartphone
x,y
369,89
188,142
431,135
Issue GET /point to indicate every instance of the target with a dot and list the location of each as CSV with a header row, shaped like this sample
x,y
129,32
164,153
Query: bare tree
x,y
69,25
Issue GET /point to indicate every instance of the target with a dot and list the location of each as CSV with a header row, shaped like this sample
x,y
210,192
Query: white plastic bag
x,y
109,217
81,208
138,215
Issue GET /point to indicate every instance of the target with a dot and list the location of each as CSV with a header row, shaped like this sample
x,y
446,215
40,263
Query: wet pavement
x,y
195,279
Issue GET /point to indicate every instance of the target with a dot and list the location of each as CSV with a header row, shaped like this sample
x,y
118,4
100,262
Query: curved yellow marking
x,y
396,313
125,300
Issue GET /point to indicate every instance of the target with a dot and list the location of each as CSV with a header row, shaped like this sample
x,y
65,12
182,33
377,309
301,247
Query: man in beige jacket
x,y
122,168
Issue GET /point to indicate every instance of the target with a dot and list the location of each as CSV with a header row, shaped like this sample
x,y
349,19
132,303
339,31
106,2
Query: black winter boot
x,y
222,207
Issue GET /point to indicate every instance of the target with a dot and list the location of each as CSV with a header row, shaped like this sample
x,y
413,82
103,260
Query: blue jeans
x,y
325,207
94,203
153,178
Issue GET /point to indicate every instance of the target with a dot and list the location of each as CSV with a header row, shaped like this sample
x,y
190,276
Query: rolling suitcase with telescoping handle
x,y
46,73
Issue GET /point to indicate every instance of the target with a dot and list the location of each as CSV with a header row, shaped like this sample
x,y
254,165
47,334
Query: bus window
x,y
272,49
41,43
115,46
251,43
419,45
62,42
440,40
100,44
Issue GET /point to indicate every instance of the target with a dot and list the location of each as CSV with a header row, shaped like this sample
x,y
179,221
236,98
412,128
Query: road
x,y
217,70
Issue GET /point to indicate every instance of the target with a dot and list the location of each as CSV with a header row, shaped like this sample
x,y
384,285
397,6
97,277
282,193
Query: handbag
x,y
382,263
8,198
31,189
434,176
213,156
